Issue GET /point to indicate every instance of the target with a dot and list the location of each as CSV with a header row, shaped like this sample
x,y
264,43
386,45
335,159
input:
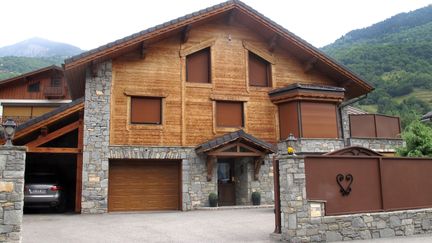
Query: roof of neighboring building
x,y
427,116
50,114
230,137
76,65
32,73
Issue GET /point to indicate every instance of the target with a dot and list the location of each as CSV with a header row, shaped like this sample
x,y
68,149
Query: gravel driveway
x,y
241,225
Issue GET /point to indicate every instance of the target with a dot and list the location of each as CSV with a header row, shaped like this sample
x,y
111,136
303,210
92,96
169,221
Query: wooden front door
x,y
226,182
136,185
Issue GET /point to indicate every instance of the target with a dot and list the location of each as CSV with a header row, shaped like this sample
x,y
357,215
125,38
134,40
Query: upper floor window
x,y
229,114
259,71
198,66
33,87
56,82
146,110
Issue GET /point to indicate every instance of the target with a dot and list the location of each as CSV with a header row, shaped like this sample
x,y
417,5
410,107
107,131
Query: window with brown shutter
x,y
319,120
229,114
146,110
259,71
198,66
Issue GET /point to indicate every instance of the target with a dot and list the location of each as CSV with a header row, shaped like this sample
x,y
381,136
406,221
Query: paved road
x,y
247,225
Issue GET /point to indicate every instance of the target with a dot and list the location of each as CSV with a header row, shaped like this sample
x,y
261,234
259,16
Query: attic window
x,y
259,71
33,87
198,66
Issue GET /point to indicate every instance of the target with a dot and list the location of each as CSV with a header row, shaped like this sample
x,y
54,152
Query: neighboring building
x,y
197,105
427,117
33,94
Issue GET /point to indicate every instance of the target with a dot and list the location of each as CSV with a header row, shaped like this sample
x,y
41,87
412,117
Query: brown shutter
x,y
259,71
198,67
229,114
288,119
319,120
146,110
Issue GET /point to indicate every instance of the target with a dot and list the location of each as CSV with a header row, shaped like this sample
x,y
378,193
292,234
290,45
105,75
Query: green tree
x,y
418,138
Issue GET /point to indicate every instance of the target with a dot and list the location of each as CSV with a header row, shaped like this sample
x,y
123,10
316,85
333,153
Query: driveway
x,y
241,225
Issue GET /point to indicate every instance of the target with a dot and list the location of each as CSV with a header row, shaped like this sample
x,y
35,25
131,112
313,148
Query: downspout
x,y
340,107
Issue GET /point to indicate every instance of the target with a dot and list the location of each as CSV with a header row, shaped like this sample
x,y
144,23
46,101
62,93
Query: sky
x,y
89,24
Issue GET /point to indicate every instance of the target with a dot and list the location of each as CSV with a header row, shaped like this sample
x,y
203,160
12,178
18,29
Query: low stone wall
x,y
304,221
12,165
312,145
380,145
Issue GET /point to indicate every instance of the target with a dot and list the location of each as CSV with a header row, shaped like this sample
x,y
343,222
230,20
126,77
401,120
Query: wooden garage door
x,y
136,185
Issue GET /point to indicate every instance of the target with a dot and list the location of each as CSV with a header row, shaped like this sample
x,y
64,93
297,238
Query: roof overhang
x,y
307,92
48,70
76,66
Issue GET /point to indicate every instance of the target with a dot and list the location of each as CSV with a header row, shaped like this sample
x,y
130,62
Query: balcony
x,y
54,92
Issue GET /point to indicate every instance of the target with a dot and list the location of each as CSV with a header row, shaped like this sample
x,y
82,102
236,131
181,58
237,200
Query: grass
x,y
422,94
369,108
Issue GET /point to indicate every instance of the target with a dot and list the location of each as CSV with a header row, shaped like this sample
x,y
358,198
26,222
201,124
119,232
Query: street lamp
x,y
9,131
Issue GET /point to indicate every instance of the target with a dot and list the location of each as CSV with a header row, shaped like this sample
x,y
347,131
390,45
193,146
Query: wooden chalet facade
x,y
197,105
33,94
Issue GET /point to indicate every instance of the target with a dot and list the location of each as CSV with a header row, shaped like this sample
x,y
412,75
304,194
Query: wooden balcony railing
x,y
57,92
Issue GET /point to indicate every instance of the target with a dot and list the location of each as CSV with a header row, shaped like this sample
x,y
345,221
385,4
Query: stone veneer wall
x,y
312,145
345,122
96,139
379,145
12,166
298,225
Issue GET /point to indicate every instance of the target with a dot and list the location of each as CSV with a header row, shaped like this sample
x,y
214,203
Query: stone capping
x,y
138,152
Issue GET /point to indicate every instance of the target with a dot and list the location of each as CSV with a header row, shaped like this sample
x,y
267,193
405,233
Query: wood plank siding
x,y
188,109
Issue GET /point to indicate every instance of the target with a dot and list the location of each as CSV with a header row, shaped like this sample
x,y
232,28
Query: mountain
x,y
395,55
38,47
32,54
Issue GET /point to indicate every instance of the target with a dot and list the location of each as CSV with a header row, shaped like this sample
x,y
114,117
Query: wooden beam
x,y
54,150
231,17
211,161
235,154
79,164
273,42
143,50
310,64
185,33
257,166
53,135
46,122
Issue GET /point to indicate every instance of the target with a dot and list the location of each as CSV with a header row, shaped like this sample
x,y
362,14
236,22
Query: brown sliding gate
x,y
352,184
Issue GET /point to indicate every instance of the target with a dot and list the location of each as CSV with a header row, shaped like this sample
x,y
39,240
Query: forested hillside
x,y
396,57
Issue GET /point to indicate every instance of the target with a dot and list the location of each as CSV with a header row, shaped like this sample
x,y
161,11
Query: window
x,y
198,66
259,71
229,114
34,87
146,110
56,82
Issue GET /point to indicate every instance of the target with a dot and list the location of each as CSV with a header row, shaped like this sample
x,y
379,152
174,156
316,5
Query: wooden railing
x,y
51,91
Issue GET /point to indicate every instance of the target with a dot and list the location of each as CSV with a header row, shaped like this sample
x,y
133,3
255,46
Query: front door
x,y
226,182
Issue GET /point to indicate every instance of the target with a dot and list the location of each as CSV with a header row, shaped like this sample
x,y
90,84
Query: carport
x,y
54,142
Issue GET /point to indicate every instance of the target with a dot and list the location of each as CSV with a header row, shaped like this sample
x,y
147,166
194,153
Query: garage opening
x,y
50,168
144,185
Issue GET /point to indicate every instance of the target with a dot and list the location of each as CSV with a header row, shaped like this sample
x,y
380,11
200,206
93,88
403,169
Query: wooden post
x,y
79,164
277,209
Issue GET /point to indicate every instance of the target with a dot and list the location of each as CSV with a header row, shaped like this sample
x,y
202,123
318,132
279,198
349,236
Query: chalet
x,y
32,94
200,104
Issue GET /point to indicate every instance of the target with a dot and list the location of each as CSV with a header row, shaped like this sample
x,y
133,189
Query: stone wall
x,y
379,145
301,222
12,165
96,139
312,145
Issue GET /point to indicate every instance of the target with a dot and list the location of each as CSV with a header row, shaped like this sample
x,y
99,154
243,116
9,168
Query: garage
x,y
143,185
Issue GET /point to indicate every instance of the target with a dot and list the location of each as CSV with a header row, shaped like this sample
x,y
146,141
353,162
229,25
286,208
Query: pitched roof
x,y
32,73
233,136
75,66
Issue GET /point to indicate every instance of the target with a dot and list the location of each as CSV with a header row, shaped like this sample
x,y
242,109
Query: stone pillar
x,y
12,165
345,124
96,139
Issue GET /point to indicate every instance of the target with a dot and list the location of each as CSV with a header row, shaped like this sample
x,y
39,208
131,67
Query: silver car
x,y
43,190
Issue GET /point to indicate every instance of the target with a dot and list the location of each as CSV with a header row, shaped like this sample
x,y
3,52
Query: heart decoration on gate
x,y
340,178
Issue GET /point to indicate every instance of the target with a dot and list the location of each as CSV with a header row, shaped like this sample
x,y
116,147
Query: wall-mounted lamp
x,y
291,140
9,131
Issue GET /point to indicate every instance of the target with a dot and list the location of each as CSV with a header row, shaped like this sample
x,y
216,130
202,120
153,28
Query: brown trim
x,y
234,154
53,135
54,150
